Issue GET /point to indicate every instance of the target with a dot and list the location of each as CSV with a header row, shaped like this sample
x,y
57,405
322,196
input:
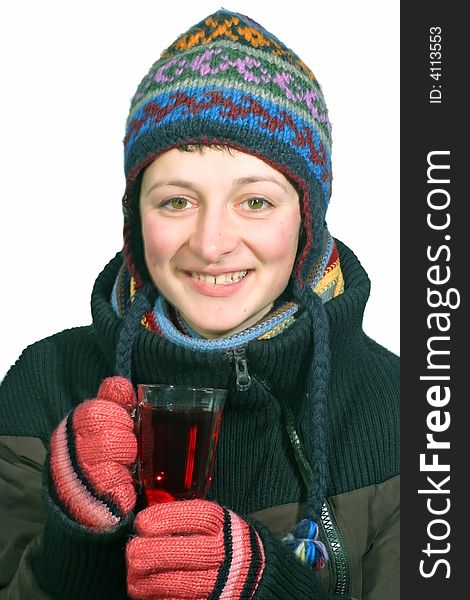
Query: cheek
x,y
280,243
159,243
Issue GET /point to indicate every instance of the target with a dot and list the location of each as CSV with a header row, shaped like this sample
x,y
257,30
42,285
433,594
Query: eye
x,y
256,203
178,203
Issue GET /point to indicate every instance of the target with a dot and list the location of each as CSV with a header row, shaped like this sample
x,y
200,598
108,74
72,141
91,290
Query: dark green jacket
x,y
43,555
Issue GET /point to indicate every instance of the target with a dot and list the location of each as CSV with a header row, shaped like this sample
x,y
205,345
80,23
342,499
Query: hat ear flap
x,y
133,241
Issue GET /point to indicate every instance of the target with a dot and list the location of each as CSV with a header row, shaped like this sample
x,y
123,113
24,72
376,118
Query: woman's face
x,y
220,231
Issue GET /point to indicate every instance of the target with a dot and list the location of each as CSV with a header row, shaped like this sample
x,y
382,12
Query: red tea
x,y
176,452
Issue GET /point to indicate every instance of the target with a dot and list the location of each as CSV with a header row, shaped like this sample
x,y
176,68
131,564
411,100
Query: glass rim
x,y
192,388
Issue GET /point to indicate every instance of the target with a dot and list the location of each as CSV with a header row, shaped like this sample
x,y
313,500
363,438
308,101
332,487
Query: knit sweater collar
x,y
280,362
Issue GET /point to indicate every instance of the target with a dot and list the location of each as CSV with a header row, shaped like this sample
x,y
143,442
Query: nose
x,y
214,234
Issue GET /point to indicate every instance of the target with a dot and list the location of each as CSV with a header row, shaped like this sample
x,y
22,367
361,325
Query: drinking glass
x,y
177,431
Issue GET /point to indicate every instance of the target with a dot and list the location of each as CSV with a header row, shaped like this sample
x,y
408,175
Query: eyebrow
x,y
239,181
174,182
258,178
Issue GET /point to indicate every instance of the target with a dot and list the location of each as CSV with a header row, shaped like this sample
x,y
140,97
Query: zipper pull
x,y
241,370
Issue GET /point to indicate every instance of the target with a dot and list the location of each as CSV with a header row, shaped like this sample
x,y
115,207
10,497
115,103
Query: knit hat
x,y
229,82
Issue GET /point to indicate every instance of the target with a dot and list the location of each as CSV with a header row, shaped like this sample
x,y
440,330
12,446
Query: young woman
x,y
228,278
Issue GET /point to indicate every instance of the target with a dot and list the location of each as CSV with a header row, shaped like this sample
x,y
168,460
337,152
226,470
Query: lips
x,y
218,285
228,278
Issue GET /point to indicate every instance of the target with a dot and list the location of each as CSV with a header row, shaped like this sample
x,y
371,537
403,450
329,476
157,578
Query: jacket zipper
x,y
340,569
339,566
241,369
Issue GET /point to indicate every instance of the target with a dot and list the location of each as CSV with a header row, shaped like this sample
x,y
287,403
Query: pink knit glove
x,y
90,455
193,549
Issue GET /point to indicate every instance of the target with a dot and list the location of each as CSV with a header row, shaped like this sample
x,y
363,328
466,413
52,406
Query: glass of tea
x,y
177,430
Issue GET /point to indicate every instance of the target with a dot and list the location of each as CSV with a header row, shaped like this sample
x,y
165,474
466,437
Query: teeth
x,y
224,279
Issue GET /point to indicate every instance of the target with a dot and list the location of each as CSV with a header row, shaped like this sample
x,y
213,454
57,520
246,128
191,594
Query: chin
x,y
214,334
206,328
226,324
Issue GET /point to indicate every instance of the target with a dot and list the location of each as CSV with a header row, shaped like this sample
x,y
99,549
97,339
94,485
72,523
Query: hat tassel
x,y
306,545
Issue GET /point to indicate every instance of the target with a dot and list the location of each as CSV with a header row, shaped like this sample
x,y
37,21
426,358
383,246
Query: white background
x,y
69,71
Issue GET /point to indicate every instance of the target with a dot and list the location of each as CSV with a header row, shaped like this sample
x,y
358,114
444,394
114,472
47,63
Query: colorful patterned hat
x,y
227,81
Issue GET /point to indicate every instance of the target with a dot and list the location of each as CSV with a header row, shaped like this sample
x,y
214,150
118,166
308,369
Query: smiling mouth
x,y
223,279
